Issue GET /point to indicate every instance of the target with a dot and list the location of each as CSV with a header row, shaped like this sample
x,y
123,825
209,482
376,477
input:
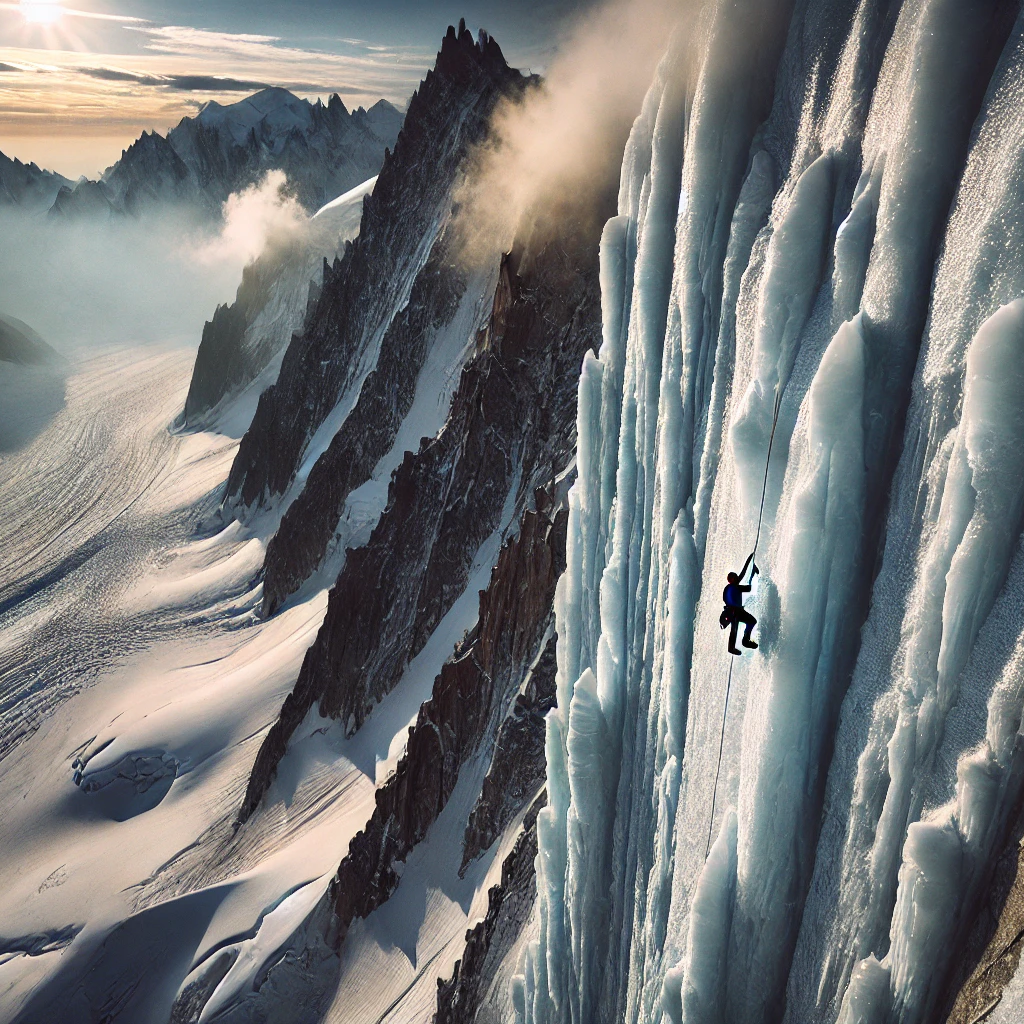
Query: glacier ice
x,y
824,220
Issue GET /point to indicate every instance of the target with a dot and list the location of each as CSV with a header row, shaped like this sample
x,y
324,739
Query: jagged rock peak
x,y
28,185
147,146
459,47
448,115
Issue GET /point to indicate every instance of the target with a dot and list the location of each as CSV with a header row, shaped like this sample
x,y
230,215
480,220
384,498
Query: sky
x,y
81,79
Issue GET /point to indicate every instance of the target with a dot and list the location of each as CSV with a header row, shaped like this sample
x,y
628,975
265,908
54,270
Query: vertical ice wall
x,y
820,204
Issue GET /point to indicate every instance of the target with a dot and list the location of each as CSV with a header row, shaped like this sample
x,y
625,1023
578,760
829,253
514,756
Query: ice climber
x,y
734,613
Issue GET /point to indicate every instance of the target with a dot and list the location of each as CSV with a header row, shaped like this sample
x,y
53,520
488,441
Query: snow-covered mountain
x,y
325,150
413,704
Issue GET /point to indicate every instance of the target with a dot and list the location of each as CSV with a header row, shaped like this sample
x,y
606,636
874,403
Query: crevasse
x,y
822,203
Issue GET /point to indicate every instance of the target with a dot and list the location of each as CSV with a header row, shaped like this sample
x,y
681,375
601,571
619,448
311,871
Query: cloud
x,y
386,65
196,83
211,83
184,38
183,83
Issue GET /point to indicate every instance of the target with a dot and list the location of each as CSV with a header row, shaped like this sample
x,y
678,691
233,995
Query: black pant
x,y
738,615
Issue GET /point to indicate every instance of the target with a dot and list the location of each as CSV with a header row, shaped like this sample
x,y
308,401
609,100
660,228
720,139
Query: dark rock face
x,y
149,171
234,349
368,432
220,361
28,186
509,905
470,696
410,202
513,417
518,767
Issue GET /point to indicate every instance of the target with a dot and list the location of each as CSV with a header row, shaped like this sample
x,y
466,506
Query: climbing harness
x,y
732,661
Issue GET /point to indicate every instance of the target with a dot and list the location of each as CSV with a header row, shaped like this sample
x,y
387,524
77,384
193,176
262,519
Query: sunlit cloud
x,y
204,83
48,11
183,38
185,41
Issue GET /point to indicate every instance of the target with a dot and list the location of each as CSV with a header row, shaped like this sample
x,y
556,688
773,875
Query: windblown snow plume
x,y
262,215
561,137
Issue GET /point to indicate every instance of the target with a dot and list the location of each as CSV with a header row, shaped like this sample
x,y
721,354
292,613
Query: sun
x,y
41,12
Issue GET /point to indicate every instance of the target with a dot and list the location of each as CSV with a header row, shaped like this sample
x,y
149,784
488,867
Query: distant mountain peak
x,y
282,108
28,185
325,150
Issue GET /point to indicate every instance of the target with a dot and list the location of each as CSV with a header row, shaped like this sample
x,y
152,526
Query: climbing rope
x,y
732,660
764,483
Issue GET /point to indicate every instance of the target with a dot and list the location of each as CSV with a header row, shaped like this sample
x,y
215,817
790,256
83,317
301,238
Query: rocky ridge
x,y
510,429
278,290
27,186
385,399
324,149
471,695
401,221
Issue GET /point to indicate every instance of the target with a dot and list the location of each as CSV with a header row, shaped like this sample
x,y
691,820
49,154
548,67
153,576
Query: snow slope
x,y
137,682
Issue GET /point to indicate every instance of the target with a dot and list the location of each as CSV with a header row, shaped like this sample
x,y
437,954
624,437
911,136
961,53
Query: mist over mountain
x,y
22,345
363,658
28,186
323,149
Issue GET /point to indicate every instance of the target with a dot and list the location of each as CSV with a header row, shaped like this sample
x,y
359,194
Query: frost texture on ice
x,y
854,250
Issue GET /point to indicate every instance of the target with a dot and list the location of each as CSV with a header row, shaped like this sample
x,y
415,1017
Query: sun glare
x,y
41,12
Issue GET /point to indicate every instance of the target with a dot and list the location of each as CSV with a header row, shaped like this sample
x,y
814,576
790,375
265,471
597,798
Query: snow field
x,y
136,865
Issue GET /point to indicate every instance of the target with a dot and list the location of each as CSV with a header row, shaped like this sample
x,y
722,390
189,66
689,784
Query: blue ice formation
x,y
820,200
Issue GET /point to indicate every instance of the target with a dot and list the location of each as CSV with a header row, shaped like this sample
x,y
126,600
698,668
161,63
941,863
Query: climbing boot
x,y
732,650
747,642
